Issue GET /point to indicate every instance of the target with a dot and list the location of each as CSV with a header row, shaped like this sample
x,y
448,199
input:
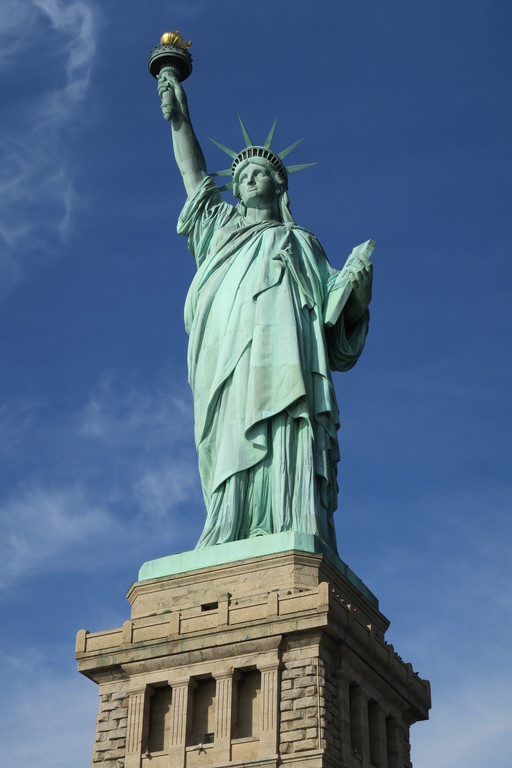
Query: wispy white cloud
x,y
16,419
459,562
17,21
118,412
160,490
44,528
75,23
120,468
48,717
152,432
36,190
469,726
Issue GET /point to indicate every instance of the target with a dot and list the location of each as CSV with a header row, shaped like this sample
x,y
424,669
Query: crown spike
x,y
293,168
225,172
248,141
228,151
287,151
258,151
268,140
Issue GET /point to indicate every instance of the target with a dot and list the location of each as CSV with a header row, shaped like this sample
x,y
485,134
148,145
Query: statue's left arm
x,y
360,279
345,308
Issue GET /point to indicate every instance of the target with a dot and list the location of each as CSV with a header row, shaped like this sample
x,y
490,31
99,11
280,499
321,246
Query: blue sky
x,y
406,109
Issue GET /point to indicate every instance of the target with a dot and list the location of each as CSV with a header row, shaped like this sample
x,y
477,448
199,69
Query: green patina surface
x,y
236,551
268,319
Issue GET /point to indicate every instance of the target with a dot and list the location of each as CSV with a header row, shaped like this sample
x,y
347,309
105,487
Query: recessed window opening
x,y
209,606
159,719
203,711
247,708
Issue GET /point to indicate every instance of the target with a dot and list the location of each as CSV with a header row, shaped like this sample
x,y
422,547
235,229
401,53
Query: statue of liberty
x,y
268,319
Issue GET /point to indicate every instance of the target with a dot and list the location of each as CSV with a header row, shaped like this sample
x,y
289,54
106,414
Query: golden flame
x,y
174,38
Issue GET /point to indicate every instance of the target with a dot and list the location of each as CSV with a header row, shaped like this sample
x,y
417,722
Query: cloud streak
x,y
469,726
16,419
36,188
108,471
48,717
75,24
46,529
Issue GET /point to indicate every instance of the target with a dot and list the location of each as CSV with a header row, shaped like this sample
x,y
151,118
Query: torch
x,y
170,56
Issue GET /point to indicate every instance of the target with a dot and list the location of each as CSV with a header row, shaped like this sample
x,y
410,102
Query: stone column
x,y
395,741
344,719
223,715
179,720
269,708
360,736
137,714
378,739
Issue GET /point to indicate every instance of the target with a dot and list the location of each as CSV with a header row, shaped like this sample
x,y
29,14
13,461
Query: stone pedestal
x,y
275,659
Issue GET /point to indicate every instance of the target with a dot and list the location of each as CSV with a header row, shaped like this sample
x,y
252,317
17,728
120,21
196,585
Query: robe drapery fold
x,y
259,359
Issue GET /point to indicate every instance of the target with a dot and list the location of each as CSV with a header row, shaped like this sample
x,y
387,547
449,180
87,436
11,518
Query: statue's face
x,y
256,186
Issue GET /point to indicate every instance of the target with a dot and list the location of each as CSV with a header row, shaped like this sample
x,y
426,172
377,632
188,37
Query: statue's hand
x,y
360,279
174,99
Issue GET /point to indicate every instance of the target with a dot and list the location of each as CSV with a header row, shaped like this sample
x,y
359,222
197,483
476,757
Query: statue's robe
x,y
259,358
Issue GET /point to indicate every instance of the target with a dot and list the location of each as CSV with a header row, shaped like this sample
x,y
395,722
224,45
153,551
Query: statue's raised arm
x,y
187,150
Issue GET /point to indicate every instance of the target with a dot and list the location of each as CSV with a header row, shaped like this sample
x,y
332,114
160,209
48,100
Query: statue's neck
x,y
258,215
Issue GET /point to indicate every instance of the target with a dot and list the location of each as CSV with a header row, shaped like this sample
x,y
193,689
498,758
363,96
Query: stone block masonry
x,y
279,660
110,742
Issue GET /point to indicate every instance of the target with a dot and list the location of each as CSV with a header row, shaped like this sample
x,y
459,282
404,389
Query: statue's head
x,y
265,158
258,171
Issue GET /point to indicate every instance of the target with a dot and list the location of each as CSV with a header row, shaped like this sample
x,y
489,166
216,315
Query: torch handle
x,y
168,95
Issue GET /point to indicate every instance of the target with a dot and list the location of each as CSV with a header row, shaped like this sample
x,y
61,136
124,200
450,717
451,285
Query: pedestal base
x,y
279,658
249,549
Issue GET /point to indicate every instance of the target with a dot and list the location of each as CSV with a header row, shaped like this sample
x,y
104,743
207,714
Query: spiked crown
x,y
262,152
